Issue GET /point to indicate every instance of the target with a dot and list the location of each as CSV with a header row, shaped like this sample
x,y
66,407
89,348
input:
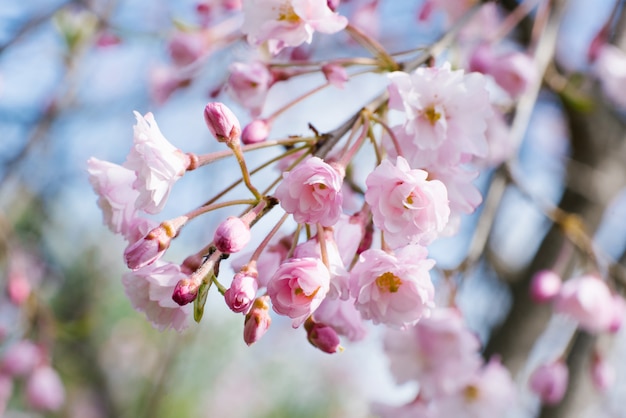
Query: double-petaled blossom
x,y
45,390
311,192
298,287
288,23
393,290
113,184
445,115
156,162
409,208
549,381
248,84
440,352
588,300
241,293
150,290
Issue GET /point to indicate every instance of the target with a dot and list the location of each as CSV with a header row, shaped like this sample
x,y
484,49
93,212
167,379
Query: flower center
x,y
471,393
287,14
388,282
432,115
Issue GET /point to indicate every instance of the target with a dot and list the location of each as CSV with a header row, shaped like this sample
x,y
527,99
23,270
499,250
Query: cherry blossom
x,y
241,293
311,192
298,287
113,184
150,290
248,84
44,389
549,381
156,162
445,114
409,208
394,290
288,23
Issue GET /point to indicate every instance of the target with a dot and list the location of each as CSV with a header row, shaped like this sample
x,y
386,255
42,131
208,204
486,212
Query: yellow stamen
x,y
388,282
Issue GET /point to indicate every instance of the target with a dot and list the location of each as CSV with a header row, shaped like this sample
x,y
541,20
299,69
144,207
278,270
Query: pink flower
x,y
116,197
248,84
241,293
298,288
545,285
156,162
602,373
588,300
440,352
257,321
311,192
150,291
393,290
445,115
343,316
231,235
513,71
409,208
185,48
44,390
288,23
222,122
20,359
490,393
164,81
549,381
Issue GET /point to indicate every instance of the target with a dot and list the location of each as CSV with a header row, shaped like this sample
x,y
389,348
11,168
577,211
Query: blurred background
x,y
72,73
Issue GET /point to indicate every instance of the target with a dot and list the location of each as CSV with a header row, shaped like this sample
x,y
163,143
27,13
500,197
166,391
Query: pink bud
x,y
240,295
148,249
602,374
18,288
222,122
323,337
588,300
20,359
185,48
232,235
255,132
549,381
333,4
545,285
335,74
257,321
44,390
185,292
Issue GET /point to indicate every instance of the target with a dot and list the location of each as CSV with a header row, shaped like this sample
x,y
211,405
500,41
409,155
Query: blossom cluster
x,y
351,248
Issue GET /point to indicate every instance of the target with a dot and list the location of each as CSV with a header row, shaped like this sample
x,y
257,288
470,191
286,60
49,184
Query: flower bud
x,y
18,288
44,390
545,285
240,295
255,132
232,235
222,122
20,359
148,249
549,381
335,74
323,337
185,292
257,321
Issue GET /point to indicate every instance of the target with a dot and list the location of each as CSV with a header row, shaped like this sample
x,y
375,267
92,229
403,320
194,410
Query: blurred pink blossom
x,y
588,300
549,381
44,390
